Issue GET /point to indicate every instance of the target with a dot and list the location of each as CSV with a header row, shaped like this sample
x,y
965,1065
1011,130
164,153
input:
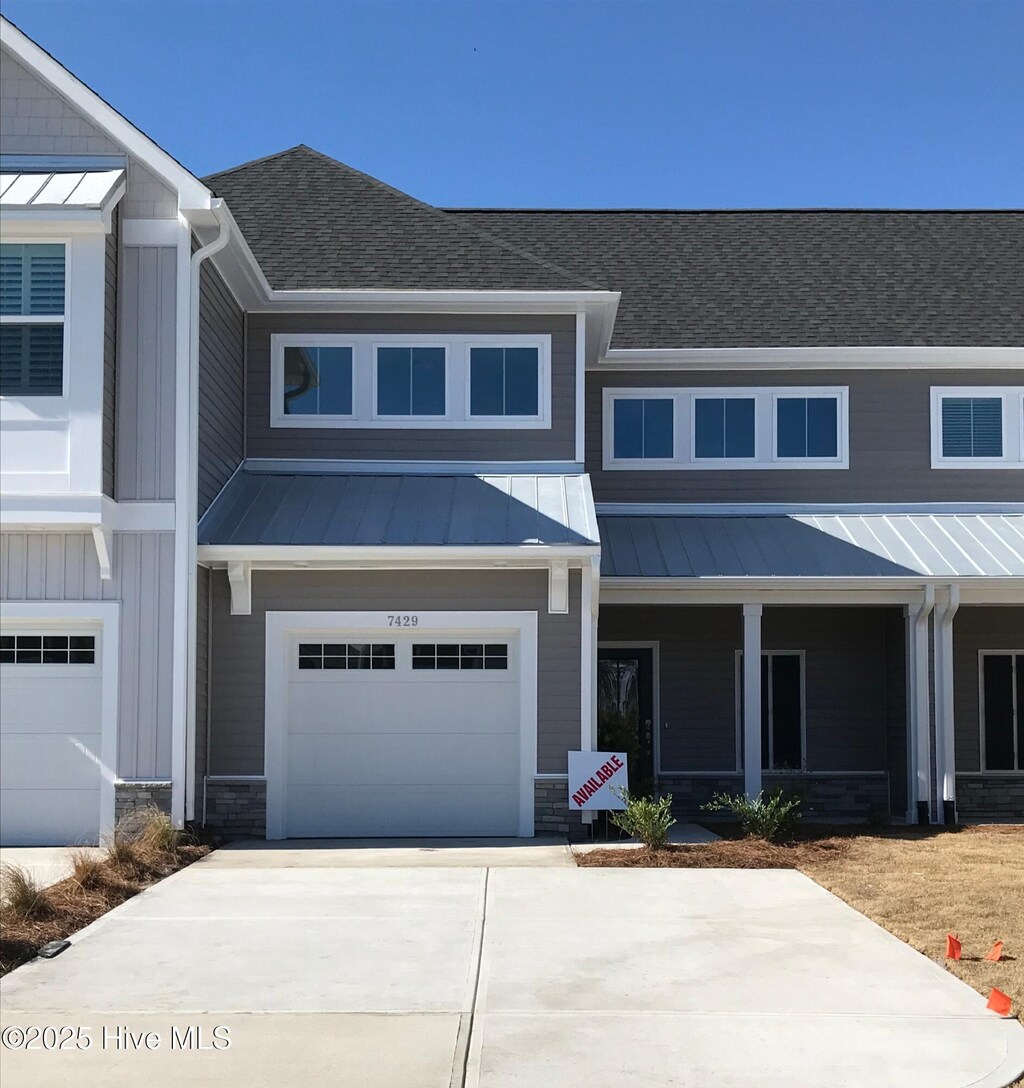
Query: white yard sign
x,y
592,778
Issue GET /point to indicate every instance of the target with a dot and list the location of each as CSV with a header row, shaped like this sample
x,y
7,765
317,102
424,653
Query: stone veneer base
x,y
236,808
992,795
551,811
129,796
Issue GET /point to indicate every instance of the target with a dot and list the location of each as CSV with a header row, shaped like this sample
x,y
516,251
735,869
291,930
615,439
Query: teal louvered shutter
x,y
32,285
972,427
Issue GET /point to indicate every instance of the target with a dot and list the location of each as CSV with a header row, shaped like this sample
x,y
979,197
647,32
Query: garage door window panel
x,y
465,656
349,656
47,649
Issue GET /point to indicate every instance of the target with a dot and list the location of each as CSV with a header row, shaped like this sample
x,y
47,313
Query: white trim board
x,y
281,625
108,615
896,357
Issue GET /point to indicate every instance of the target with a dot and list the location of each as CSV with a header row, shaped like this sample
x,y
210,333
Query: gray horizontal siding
x,y
556,444
145,373
63,567
889,426
848,679
977,628
221,385
110,269
239,645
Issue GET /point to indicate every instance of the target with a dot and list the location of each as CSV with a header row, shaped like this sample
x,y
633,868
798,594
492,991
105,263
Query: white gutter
x,y
186,516
945,751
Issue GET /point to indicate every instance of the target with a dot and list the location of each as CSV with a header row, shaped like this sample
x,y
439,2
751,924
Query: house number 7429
x,y
403,621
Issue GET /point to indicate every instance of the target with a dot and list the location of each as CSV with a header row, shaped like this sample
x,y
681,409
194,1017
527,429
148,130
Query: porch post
x,y
752,699
945,743
919,710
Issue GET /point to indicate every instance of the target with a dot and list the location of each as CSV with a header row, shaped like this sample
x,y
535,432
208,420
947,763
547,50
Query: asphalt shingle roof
x,y
790,278
313,222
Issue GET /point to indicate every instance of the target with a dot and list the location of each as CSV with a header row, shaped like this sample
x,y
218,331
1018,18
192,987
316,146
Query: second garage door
x,y
406,736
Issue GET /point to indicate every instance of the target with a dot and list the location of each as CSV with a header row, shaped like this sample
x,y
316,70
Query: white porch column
x,y
752,699
919,710
945,743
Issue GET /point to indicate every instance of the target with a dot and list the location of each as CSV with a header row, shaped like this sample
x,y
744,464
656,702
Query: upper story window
x,y
318,381
402,381
806,427
643,428
504,382
411,381
977,426
32,319
730,428
723,427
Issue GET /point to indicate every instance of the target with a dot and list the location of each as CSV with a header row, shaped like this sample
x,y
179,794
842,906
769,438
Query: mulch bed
x,y
68,906
725,854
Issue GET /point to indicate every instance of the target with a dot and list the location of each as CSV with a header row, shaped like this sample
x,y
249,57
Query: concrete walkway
x,y
45,864
494,976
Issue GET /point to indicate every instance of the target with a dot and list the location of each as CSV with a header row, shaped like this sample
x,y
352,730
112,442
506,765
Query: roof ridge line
x,y
450,221
822,210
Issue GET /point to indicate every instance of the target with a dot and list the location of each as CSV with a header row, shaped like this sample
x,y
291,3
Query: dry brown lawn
x,y
918,884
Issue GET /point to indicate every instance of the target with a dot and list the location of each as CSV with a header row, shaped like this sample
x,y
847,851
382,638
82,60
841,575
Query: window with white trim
x,y
727,428
32,287
783,710
406,381
977,426
1002,710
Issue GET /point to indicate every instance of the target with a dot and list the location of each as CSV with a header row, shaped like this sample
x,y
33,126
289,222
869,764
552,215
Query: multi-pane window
x,y
346,655
972,427
504,381
47,649
782,709
460,655
1002,710
723,427
32,319
317,381
643,428
411,381
806,427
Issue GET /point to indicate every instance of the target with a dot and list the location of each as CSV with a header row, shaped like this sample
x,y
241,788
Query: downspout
x,y
191,498
945,756
918,746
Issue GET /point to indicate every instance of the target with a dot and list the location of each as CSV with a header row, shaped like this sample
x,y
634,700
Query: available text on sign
x,y
595,779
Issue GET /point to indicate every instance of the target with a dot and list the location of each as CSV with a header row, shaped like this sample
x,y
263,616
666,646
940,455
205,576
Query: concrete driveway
x,y
45,864
395,973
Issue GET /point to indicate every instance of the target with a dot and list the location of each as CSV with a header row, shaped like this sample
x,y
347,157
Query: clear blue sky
x,y
597,103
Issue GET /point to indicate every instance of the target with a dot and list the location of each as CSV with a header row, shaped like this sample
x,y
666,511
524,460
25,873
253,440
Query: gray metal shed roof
x,y
813,546
342,510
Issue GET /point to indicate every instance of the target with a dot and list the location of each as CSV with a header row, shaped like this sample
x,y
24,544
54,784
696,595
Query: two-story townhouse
x,y
100,267
402,607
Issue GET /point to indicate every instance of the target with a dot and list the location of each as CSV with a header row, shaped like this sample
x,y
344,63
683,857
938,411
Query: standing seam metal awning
x,y
813,546
360,510
68,189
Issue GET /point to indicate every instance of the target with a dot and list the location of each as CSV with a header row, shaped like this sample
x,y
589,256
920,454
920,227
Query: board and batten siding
x,y
238,668
849,667
890,425
110,270
989,627
442,444
144,442
221,384
62,567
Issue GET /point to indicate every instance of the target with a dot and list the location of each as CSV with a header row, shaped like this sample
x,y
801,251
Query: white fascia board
x,y
433,301
303,466
63,512
192,193
789,509
812,358
402,557
54,220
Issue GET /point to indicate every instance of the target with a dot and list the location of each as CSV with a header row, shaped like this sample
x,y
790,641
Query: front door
x,y
625,710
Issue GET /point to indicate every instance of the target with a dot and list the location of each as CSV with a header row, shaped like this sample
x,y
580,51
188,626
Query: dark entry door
x,y
625,710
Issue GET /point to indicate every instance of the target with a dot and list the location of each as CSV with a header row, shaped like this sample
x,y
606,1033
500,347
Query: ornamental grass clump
x,y
770,817
645,818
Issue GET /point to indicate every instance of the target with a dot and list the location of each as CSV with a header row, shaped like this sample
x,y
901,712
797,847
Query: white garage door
x,y
50,714
403,736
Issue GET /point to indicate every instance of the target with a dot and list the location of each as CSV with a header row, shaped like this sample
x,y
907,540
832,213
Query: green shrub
x,y
768,817
644,818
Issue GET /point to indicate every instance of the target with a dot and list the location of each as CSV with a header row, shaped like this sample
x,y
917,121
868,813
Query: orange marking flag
x,y
999,1002
996,953
952,947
